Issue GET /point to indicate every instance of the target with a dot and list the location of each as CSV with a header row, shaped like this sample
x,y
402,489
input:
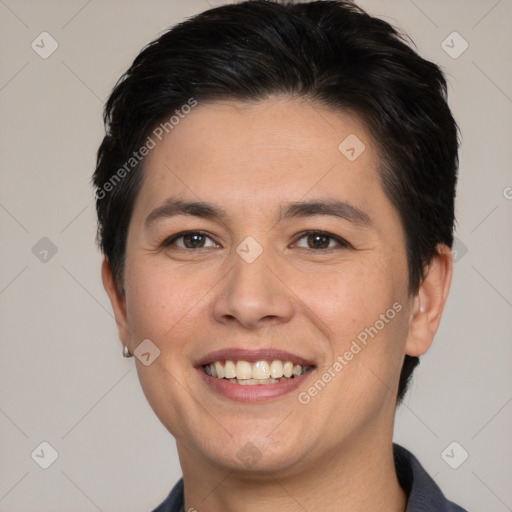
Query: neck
x,y
355,477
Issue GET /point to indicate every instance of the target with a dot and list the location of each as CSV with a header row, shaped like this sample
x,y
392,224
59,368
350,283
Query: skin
x,y
334,453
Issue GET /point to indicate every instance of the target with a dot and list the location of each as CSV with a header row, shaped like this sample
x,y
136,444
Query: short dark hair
x,y
328,51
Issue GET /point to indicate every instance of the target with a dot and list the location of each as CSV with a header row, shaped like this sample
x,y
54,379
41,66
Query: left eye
x,y
191,240
321,240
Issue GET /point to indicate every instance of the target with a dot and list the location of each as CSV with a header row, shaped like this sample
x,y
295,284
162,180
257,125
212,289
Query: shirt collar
x,y
423,494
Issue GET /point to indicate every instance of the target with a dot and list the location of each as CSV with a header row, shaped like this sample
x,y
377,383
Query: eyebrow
x,y
173,207
331,207
201,209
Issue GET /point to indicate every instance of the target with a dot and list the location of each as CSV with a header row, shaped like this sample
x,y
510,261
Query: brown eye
x,y
319,240
189,240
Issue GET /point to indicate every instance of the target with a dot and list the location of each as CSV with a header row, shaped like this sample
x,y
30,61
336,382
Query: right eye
x,y
191,240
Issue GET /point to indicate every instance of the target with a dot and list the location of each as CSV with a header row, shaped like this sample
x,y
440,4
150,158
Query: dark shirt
x,y
423,494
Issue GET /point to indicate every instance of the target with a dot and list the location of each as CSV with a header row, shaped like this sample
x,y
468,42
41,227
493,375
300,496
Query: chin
x,y
256,454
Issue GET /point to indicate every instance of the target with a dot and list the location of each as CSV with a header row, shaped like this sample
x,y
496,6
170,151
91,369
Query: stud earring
x,y
126,352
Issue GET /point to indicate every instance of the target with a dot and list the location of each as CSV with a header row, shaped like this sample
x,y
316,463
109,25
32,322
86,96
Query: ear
x,y
117,301
429,302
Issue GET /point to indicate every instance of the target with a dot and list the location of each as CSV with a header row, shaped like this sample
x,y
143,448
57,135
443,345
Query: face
x,y
297,257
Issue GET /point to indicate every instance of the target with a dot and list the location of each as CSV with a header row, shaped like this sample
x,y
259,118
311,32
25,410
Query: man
x,y
275,195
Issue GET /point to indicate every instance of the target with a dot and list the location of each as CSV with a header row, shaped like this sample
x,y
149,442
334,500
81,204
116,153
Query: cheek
x,y
351,302
167,305
161,307
367,344
366,311
154,300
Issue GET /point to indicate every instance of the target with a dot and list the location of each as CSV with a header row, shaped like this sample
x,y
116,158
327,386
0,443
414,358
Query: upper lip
x,y
251,356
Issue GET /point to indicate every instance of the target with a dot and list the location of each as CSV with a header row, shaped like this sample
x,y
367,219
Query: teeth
x,y
243,370
229,370
276,369
259,372
219,369
249,382
288,369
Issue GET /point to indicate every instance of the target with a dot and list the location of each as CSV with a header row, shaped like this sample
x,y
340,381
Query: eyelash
x,y
342,243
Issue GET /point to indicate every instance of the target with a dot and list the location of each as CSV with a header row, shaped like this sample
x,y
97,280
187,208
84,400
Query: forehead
x,y
262,150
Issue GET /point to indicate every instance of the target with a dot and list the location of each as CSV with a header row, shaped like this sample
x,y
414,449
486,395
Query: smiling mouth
x,y
258,372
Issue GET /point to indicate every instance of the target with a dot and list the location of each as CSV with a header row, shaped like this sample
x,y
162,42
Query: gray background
x,y
62,377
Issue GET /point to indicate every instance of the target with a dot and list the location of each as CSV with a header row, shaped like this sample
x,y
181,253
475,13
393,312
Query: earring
x,y
422,309
126,352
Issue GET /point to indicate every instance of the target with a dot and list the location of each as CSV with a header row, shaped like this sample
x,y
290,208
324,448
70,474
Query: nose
x,y
253,294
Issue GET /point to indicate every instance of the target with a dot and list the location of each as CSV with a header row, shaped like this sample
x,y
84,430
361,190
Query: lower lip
x,y
252,393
